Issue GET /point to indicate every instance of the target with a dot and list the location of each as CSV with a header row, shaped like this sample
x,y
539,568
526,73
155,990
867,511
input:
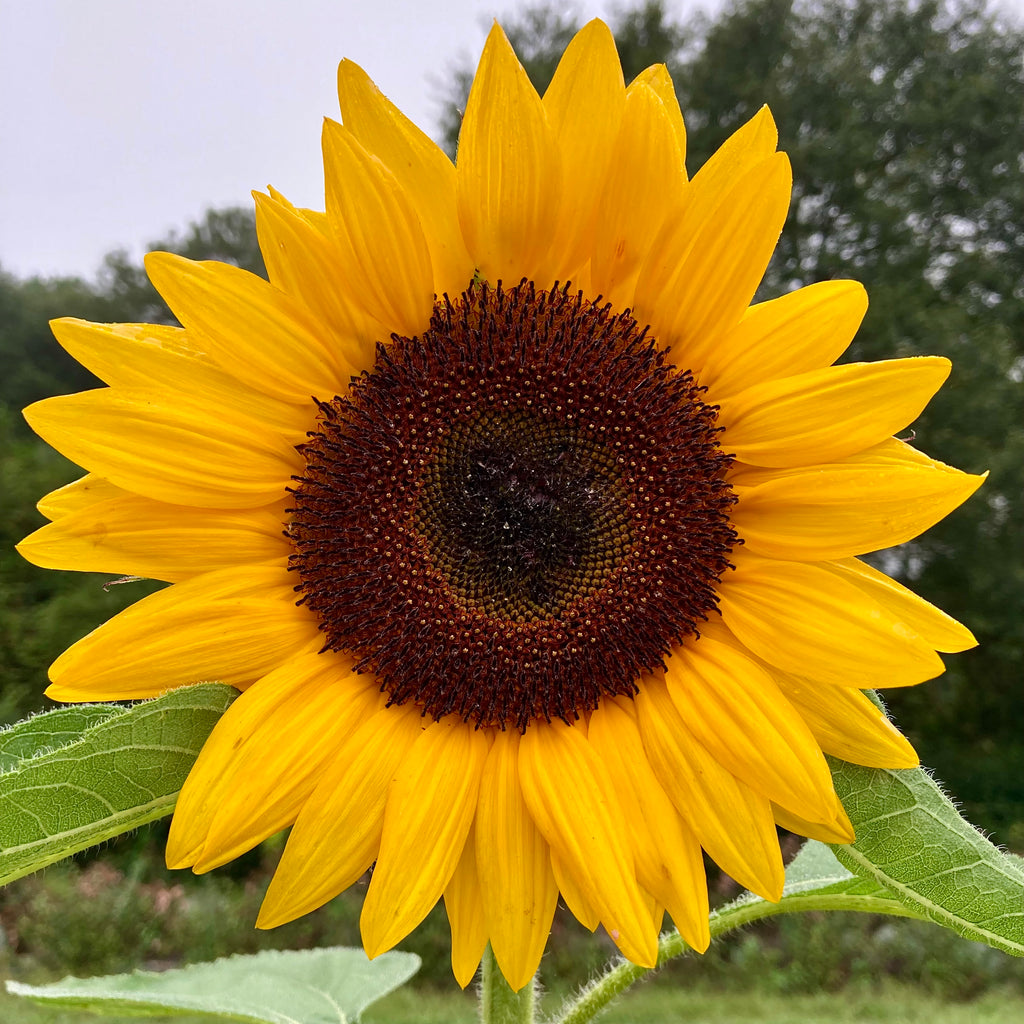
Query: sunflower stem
x,y
498,1003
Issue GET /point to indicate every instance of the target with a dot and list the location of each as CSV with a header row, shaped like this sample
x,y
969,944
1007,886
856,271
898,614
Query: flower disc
x,y
515,513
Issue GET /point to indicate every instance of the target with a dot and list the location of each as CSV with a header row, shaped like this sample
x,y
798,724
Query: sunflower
x,y
530,544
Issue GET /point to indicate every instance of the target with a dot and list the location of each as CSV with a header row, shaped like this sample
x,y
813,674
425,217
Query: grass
x,y
656,1004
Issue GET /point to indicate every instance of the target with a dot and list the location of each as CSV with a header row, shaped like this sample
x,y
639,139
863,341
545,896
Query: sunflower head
x,y
531,544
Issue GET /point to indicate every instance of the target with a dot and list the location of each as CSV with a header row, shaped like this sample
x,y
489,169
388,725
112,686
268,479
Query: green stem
x,y
498,1003
593,999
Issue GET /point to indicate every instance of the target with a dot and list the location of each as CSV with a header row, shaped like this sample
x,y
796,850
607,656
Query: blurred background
x,y
128,126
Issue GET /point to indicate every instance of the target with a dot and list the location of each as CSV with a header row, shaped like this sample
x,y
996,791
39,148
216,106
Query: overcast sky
x,y
123,119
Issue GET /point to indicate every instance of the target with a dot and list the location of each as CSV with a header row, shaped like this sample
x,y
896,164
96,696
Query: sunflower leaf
x,y
912,840
64,792
43,733
312,986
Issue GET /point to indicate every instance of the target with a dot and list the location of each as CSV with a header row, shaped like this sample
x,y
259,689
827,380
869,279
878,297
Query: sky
x,y
121,120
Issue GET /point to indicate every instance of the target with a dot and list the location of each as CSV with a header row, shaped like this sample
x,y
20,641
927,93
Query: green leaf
x,y
124,769
42,733
914,856
912,841
314,986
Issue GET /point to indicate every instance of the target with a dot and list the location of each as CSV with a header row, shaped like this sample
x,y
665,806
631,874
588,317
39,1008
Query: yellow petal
x,y
737,713
270,780
305,263
337,833
139,537
844,722
933,625
828,414
697,281
463,904
317,219
518,887
508,171
168,448
645,181
384,259
420,167
838,830
733,823
668,857
805,330
573,896
253,330
806,620
101,347
736,161
584,105
149,356
130,355
847,724
876,499
262,758
231,626
78,495
656,77
572,800
748,146
429,812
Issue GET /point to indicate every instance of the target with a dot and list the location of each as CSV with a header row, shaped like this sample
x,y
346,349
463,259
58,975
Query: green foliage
x,y
914,852
879,1004
44,733
96,919
321,986
35,366
914,843
70,792
914,857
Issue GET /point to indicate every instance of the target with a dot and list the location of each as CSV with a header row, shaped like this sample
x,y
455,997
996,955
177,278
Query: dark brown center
x,y
515,513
